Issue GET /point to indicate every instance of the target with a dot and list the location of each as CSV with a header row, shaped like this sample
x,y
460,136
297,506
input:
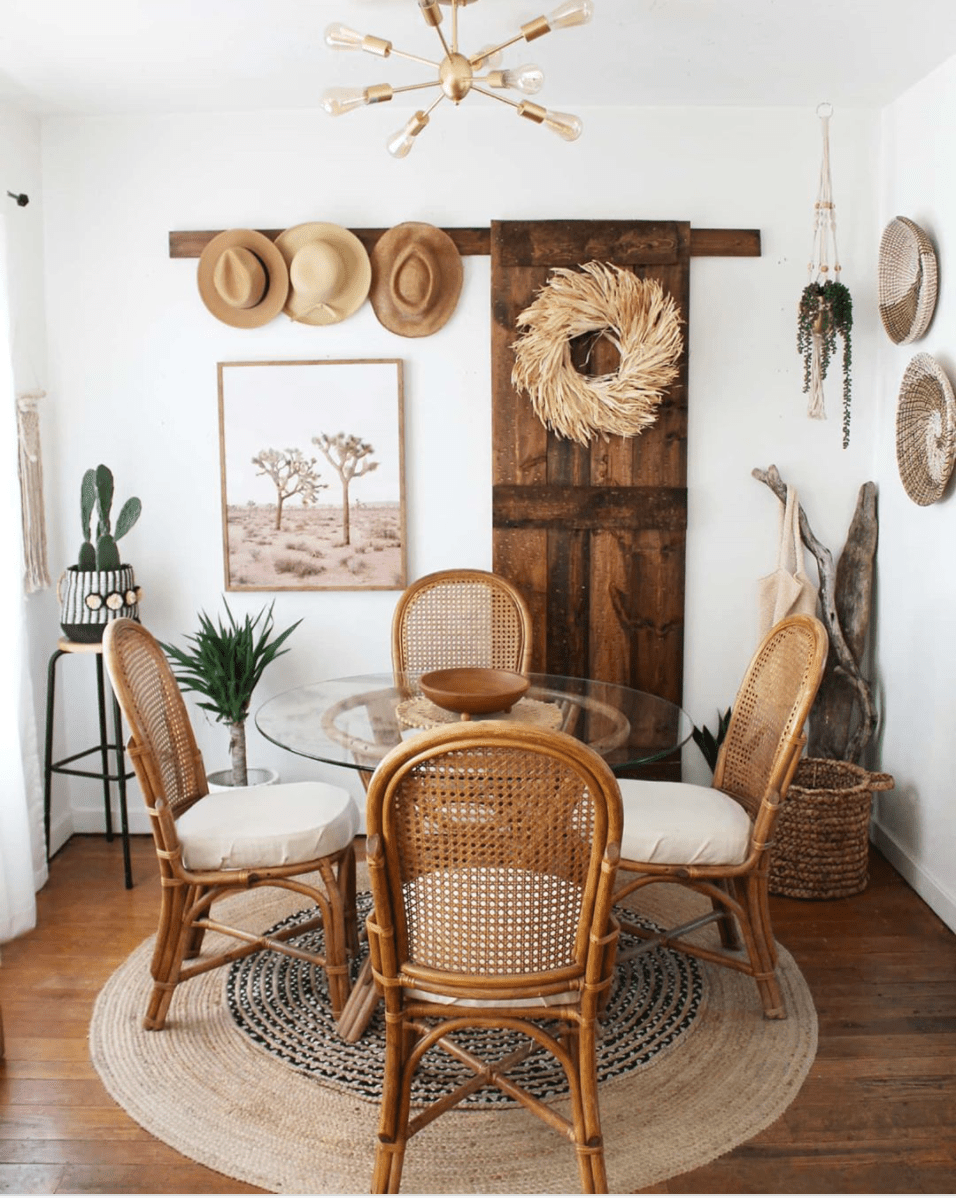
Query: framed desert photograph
x,y
312,459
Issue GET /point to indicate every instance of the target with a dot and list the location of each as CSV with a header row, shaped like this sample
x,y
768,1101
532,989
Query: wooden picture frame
x,y
313,481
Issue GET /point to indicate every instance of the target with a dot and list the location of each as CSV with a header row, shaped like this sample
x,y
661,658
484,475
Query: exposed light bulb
x,y
483,60
339,100
340,37
400,144
528,79
566,125
571,13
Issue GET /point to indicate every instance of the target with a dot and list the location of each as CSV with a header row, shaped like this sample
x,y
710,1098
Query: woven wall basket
x,y
822,841
925,430
906,283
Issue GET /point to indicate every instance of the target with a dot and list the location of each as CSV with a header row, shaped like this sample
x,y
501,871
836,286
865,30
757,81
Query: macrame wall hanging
x,y
826,309
635,315
36,575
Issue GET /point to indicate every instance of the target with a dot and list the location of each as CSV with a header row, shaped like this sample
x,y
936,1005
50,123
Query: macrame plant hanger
x,y
824,257
825,306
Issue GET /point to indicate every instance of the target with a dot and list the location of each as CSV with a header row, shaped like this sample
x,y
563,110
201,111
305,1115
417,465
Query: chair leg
x,y
590,1145
336,939
727,925
346,880
171,941
196,935
392,1126
764,955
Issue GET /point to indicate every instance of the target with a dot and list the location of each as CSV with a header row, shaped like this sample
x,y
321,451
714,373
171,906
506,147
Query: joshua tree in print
x,y
293,474
348,455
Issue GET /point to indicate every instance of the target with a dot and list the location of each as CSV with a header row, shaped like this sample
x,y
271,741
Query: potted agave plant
x,y
224,662
100,587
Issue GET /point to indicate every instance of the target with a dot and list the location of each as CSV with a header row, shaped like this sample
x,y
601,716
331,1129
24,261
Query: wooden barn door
x,y
594,536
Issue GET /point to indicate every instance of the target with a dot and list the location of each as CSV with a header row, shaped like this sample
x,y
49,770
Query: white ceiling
x,y
160,56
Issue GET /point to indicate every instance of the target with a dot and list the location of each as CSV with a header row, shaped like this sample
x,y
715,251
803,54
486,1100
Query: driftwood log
x,y
843,718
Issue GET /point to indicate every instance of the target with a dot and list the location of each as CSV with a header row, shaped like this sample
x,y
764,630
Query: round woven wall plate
x,y
907,281
925,430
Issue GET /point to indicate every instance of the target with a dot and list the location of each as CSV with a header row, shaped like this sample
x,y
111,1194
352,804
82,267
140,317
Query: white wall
x,y
133,356
916,823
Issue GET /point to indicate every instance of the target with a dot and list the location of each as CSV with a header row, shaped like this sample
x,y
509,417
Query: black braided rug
x,y
282,1004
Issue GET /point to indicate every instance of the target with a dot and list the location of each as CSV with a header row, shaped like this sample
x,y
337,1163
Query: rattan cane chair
x,y
718,839
492,852
461,618
212,845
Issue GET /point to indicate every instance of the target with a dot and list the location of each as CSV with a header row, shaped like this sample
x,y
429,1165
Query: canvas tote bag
x,y
787,591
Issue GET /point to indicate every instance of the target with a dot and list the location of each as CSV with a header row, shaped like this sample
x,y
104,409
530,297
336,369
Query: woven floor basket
x,y
821,844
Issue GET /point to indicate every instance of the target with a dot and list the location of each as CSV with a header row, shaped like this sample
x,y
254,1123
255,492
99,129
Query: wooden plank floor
x,y
876,1115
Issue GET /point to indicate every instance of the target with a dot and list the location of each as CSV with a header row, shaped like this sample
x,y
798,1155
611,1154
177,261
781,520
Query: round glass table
x,y
355,721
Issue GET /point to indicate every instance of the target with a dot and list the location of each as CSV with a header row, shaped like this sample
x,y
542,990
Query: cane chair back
x,y
457,618
717,839
492,854
157,716
208,845
762,745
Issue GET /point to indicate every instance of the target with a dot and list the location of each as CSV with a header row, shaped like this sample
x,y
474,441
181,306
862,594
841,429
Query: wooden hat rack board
x,y
826,308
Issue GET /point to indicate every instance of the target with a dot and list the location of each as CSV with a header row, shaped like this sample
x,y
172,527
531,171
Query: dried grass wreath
x,y
636,317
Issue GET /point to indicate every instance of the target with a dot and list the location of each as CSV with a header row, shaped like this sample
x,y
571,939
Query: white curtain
x,y
21,801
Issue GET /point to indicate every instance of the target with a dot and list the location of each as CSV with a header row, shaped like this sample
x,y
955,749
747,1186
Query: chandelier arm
x,y
477,58
441,38
426,62
411,87
431,108
454,27
495,96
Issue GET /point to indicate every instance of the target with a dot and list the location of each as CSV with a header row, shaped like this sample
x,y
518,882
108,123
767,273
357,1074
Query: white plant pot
x,y
222,779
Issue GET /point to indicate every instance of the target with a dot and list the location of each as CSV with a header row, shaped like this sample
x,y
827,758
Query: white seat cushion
x,y
249,826
678,823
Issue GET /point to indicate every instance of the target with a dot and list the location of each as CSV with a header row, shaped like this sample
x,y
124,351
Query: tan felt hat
x,y
416,279
243,279
329,272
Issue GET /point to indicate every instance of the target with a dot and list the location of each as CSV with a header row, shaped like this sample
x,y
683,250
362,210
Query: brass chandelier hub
x,y
455,76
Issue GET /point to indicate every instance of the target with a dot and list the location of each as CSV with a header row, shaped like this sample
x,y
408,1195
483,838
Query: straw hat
x,y
416,279
329,272
242,278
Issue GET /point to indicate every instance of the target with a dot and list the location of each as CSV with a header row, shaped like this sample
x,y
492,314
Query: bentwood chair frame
x,y
492,853
169,767
755,765
458,618
446,620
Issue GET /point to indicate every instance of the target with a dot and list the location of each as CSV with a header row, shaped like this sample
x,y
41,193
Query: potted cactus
x,y
100,587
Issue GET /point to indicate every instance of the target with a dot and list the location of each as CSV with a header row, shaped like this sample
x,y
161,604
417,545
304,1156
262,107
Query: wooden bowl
x,y
474,691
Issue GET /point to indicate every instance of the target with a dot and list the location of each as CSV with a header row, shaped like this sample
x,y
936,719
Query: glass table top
x,y
355,721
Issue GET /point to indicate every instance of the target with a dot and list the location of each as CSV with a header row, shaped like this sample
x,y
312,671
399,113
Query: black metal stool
x,y
104,748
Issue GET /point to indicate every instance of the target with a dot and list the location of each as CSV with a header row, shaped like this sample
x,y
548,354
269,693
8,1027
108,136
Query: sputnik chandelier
x,y
457,72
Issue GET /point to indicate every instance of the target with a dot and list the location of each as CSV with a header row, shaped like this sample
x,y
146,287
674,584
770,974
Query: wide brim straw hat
x,y
416,279
243,279
329,272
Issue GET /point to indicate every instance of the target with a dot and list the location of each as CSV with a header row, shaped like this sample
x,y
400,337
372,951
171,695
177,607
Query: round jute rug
x,y
207,1088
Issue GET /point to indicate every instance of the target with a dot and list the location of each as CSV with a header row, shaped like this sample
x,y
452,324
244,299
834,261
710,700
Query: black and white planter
x,y
89,599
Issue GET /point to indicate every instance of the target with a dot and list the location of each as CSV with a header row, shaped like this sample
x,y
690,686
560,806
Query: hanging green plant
x,y
825,313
